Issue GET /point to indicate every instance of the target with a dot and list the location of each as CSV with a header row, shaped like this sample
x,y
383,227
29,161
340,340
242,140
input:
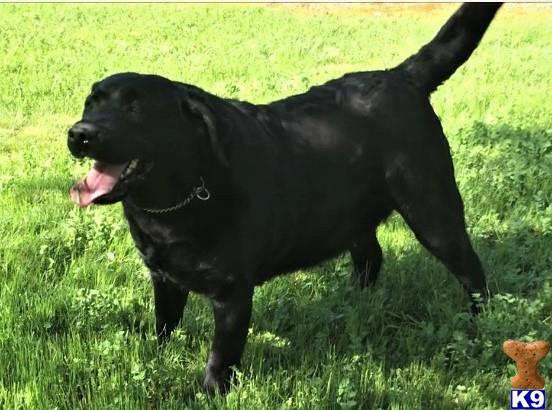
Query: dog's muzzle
x,y
83,139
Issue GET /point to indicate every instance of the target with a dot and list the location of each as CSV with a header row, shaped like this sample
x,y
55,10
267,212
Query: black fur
x,y
451,47
292,183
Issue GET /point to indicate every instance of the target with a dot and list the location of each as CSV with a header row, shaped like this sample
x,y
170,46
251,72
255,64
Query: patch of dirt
x,y
361,8
388,9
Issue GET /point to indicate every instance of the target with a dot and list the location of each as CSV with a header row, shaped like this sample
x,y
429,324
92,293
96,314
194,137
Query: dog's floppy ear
x,y
200,109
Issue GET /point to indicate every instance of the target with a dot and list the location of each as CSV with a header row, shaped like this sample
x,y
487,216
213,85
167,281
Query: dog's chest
x,y
180,261
186,267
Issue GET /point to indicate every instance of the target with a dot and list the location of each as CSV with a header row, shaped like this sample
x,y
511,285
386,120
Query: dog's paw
x,y
479,301
217,381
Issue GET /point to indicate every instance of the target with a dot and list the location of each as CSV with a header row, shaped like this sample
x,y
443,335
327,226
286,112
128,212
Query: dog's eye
x,y
134,107
129,99
87,102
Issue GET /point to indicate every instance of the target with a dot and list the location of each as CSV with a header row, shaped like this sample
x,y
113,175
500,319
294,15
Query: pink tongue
x,y
99,181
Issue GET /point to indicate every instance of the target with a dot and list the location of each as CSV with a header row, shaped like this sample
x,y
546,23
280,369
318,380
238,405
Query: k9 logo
x,y
527,399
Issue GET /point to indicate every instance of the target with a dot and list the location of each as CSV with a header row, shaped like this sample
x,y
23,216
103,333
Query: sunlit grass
x,y
76,314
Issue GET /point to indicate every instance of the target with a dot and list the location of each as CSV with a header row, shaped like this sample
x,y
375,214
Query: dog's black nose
x,y
81,138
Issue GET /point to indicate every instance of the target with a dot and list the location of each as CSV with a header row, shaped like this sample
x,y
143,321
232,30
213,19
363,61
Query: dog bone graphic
x,y
527,357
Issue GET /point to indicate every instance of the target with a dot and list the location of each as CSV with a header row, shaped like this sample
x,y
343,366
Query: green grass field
x,y
76,314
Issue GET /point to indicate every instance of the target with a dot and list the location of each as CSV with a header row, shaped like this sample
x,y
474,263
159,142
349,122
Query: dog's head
x,y
140,130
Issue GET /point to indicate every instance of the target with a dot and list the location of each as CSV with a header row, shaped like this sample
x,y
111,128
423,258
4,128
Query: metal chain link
x,y
199,192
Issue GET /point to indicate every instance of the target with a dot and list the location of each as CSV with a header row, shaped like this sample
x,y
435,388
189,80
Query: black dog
x,y
222,195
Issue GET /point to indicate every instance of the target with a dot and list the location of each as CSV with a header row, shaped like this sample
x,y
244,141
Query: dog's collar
x,y
199,192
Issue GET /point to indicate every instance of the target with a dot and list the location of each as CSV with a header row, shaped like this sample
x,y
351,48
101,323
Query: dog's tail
x,y
451,47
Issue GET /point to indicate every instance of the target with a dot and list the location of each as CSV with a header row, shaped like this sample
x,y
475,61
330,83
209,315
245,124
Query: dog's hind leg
x,y
426,195
169,305
367,257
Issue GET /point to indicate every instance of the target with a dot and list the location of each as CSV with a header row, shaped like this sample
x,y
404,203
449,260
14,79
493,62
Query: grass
x,y
76,314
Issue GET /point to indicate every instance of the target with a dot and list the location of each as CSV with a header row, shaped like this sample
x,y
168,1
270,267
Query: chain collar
x,y
199,192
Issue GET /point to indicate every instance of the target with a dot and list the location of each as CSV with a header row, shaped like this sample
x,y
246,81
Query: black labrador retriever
x,y
222,195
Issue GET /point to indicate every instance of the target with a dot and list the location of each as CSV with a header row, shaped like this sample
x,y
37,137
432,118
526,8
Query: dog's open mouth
x,y
101,180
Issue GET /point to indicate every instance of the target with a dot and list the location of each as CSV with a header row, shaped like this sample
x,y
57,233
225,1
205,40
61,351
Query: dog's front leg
x,y
232,315
170,300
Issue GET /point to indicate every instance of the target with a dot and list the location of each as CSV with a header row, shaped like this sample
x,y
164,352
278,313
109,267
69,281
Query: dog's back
x,y
348,146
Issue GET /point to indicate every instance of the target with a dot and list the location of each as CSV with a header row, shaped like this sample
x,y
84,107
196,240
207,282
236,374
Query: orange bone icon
x,y
527,357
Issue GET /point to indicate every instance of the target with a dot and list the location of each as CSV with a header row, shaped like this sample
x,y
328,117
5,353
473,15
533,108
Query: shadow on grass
x,y
412,317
